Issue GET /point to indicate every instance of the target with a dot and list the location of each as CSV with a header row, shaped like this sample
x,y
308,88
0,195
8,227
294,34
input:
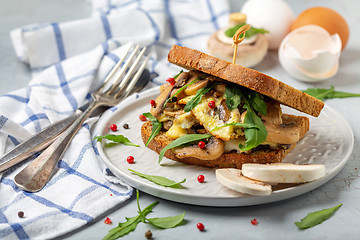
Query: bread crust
x,y
252,79
226,160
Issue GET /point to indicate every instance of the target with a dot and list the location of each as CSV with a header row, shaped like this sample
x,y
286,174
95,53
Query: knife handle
x,y
36,142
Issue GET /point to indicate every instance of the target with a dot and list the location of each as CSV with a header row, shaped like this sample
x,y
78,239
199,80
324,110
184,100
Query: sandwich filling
x,y
240,120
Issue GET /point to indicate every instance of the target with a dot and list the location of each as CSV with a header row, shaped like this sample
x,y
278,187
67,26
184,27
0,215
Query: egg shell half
x,y
310,53
326,18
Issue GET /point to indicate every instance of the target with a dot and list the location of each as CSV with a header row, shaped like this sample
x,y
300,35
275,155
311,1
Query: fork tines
x,y
130,67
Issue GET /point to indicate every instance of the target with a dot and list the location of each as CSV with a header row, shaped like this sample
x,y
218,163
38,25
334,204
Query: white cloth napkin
x,y
68,61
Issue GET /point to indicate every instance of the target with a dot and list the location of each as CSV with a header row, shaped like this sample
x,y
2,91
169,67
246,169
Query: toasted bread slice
x,y
227,160
246,77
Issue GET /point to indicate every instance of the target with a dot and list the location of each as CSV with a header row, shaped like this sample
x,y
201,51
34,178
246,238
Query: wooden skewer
x,y
237,39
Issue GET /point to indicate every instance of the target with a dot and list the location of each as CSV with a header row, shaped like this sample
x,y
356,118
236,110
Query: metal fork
x,y
35,176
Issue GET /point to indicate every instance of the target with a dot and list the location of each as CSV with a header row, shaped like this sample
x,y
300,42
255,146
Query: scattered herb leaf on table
x,y
131,223
315,218
327,93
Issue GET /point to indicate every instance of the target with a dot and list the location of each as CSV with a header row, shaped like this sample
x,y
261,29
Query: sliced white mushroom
x,y
283,172
233,179
213,150
192,89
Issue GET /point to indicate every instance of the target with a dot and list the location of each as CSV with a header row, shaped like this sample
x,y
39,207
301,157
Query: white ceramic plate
x,y
330,142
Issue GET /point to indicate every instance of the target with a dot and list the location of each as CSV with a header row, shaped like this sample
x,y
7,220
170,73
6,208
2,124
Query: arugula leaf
x,y
181,141
254,136
146,210
179,91
163,181
123,228
131,223
150,117
181,71
257,103
244,125
230,32
326,93
315,218
255,131
167,222
194,101
156,127
116,138
233,96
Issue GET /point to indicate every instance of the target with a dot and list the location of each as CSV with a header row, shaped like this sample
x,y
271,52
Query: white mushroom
x,y
213,149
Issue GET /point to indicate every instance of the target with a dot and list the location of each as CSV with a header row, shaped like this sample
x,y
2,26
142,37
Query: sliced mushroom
x,y
283,133
160,100
166,93
213,149
167,125
242,116
182,79
224,112
219,90
277,131
199,84
173,113
273,113
164,86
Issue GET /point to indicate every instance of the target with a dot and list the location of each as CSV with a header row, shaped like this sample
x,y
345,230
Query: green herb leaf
x,y
181,141
254,136
179,91
116,138
167,222
147,210
194,101
233,96
123,228
255,131
315,218
257,103
156,127
181,71
230,32
327,93
163,181
244,125
150,117
131,223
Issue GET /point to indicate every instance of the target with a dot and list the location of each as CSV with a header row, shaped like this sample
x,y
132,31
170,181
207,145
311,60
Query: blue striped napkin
x,y
68,60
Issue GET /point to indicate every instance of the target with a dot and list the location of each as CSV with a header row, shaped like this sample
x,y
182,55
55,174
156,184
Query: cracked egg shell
x,y
310,53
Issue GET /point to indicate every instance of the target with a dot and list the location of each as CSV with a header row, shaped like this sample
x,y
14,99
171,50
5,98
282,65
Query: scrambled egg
x,y
181,124
210,119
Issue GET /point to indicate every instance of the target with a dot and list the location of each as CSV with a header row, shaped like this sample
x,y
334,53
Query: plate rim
x,y
165,193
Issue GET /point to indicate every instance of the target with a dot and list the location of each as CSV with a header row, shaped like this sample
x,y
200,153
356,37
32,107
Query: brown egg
x,y
324,17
